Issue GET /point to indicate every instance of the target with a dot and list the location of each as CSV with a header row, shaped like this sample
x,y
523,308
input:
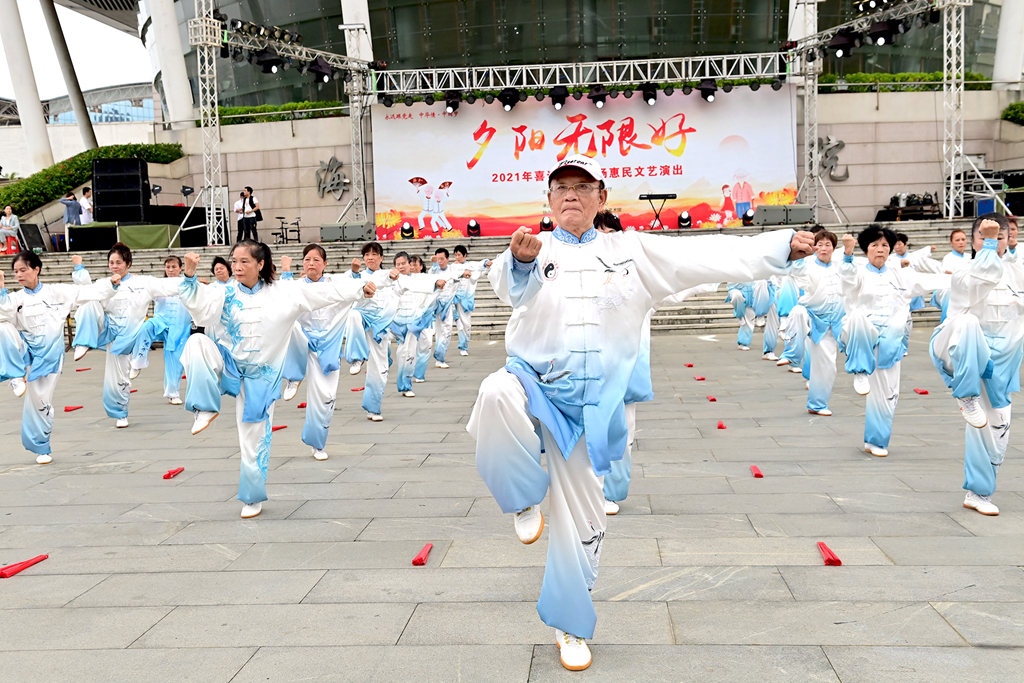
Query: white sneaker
x,y
743,348
441,364
611,507
121,423
782,361
174,401
290,389
463,353
43,460
970,408
573,651
418,381
796,369
80,352
982,504
807,385
824,412
374,417
251,510
860,384
760,321
319,454
409,394
769,356
19,386
355,367
876,451
529,524
134,372
203,420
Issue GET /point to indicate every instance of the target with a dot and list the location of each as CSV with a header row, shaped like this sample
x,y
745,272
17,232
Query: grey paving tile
x,y
200,588
442,476
353,555
680,526
383,664
34,591
280,491
994,550
906,584
137,495
279,626
657,584
205,665
679,485
825,484
384,507
63,514
719,663
812,623
711,468
69,535
858,524
986,624
268,531
923,664
767,551
132,559
76,629
744,503
428,528
421,584
482,552
899,501
448,489
194,512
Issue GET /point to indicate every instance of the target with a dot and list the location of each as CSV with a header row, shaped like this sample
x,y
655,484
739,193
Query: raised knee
x,y
500,388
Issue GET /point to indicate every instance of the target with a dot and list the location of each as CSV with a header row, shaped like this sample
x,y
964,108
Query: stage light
x,y
452,99
748,217
708,88
408,100
755,85
508,98
236,25
238,55
407,231
546,225
881,32
685,222
921,20
613,94
577,95
379,65
727,87
287,64
388,101
811,55
842,44
346,76
523,96
558,96
156,189
473,228
489,98
935,16
286,37
186,190
627,93
335,75
650,93
429,99
470,98
687,90
250,56
669,90
321,70
269,60
598,95
539,96
776,85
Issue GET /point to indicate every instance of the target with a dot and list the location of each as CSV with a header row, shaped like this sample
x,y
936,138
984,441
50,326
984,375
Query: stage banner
x,y
438,172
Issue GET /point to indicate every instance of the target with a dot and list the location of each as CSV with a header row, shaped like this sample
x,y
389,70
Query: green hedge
x,y
52,183
289,111
891,82
1014,113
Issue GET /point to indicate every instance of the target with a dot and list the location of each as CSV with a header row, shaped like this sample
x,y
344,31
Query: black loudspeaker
x,y
32,238
120,190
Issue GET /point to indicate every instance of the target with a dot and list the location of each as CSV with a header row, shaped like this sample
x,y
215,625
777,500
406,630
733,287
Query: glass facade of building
x,y
413,34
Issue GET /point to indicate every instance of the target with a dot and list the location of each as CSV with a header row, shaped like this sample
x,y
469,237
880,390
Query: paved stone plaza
x,y
707,575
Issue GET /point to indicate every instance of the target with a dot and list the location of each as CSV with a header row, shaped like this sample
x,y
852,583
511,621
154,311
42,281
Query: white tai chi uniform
x,y
444,309
32,345
172,325
877,305
978,352
819,315
116,326
465,300
248,361
573,341
414,315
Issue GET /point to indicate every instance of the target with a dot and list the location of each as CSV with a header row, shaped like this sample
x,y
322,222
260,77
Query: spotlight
x,y
335,75
881,32
708,88
286,37
269,60
388,101
156,189
429,99
934,17
451,101
546,225
613,94
687,89
508,98
755,85
727,87
842,44
523,96
558,96
346,76
669,90
921,20
473,228
186,190
539,96
685,222
811,55
650,93
627,93
470,98
748,217
489,98
408,100
598,95
407,231
776,85
320,68
237,55
379,65
577,95
236,25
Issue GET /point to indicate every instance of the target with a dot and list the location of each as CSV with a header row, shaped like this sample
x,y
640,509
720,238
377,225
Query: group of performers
x,y
578,345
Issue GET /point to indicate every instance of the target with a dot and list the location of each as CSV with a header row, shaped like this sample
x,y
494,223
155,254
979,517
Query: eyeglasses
x,y
581,189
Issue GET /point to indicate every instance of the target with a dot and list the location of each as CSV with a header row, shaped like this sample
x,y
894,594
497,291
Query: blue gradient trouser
x,y
423,346
376,371
616,482
509,445
173,368
798,326
443,329
465,327
823,371
321,394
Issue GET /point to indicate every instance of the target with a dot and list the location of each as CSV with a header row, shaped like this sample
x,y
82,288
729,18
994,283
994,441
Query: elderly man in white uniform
x,y
580,298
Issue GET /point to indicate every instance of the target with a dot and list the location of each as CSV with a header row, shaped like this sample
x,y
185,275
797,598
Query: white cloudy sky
x,y
103,56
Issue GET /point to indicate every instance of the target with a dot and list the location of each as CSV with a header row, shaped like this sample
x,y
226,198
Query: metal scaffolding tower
x,y
953,108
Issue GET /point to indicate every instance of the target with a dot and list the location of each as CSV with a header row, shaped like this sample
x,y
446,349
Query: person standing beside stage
x,y
579,300
117,326
248,361
978,352
465,297
250,215
877,301
72,209
32,340
86,203
239,208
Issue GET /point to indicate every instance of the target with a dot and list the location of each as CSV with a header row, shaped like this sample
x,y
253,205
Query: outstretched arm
x,y
204,303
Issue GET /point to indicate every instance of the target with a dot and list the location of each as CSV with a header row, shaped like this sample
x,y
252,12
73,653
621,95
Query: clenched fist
x,y
356,265
191,263
989,230
849,241
394,274
525,247
115,279
286,263
368,290
801,245
76,260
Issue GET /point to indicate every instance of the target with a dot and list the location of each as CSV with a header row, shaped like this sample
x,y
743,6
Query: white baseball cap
x,y
583,163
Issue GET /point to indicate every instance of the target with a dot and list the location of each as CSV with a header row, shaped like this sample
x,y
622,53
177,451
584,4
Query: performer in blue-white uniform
x,y
170,324
465,297
322,330
580,298
257,315
754,304
425,341
819,316
877,301
414,314
116,326
445,307
978,352
32,340
957,259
